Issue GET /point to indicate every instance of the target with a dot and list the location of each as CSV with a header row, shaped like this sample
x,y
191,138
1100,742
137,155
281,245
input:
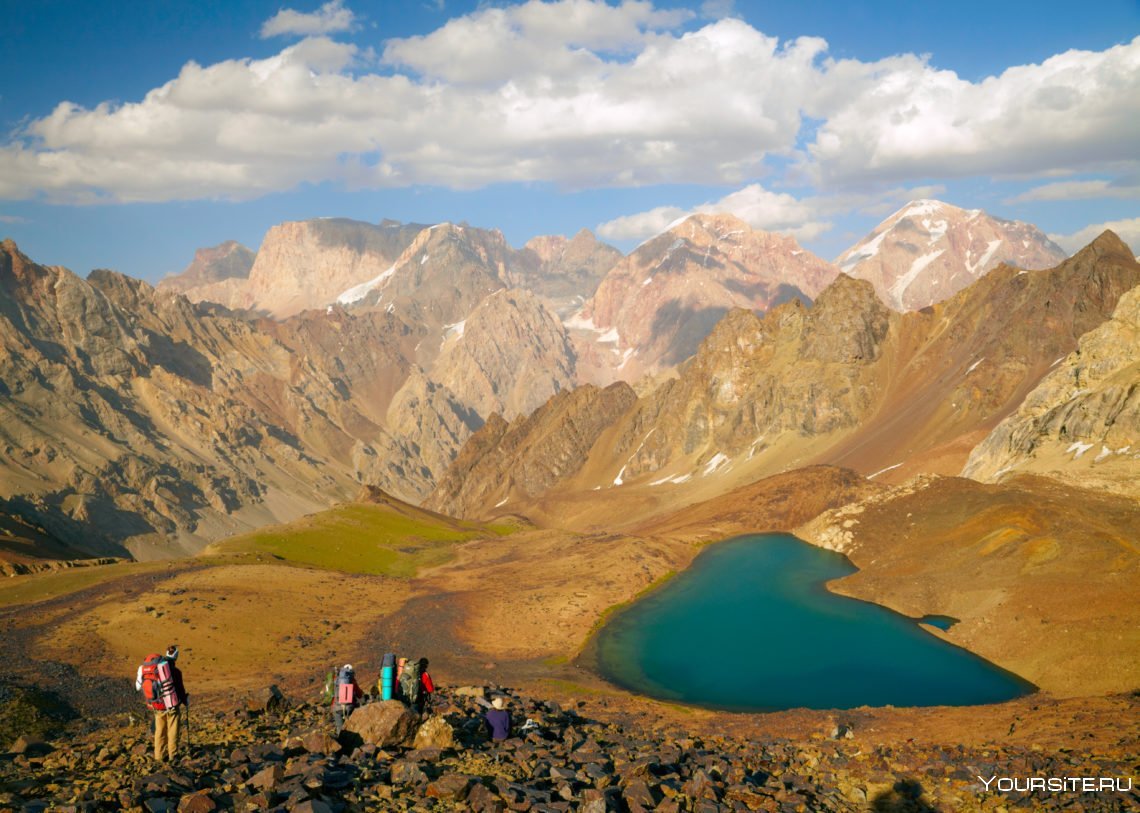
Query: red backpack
x,y
158,683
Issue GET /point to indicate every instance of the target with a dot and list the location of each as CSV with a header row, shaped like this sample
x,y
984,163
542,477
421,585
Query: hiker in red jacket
x,y
346,696
161,683
427,687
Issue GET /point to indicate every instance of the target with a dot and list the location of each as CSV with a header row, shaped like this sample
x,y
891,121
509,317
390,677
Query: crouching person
x,y
346,698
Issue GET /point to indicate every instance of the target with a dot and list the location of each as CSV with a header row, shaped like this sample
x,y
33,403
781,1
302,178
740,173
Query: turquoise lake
x,y
750,627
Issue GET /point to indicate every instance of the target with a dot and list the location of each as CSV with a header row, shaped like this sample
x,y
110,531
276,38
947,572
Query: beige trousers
x,y
165,734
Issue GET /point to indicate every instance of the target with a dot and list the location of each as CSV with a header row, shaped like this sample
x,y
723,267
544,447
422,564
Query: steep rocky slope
x,y
1082,422
302,264
1041,576
653,309
520,460
136,421
566,271
510,356
851,383
929,250
227,261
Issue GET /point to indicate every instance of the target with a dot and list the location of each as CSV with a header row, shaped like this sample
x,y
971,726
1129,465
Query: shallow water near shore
x,y
751,627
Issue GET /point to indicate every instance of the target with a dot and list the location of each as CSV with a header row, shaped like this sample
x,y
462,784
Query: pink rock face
x,y
653,308
928,251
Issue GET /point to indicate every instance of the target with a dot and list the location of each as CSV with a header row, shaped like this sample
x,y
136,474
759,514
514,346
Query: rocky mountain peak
x,y
509,356
929,250
228,260
654,307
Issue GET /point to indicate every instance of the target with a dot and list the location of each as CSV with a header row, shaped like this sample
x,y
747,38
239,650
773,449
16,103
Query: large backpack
x,y
410,682
158,683
345,690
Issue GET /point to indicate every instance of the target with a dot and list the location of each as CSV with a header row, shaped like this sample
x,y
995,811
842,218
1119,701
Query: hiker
x,y
347,695
411,684
497,719
160,682
426,685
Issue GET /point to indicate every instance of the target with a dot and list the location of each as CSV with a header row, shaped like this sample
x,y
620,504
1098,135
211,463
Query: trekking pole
x,y
188,743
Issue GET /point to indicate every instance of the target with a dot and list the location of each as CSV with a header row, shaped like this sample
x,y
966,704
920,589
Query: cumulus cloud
x,y
1126,230
1081,190
579,93
328,19
803,218
902,118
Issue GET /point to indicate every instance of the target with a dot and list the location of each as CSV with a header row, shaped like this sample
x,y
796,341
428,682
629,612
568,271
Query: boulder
x,y
452,788
268,699
386,723
199,802
436,732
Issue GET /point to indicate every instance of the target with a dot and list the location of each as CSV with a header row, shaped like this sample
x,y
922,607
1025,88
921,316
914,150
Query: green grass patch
x,y
42,586
376,539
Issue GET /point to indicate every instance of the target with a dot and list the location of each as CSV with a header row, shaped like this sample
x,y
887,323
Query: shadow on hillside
x,y
904,797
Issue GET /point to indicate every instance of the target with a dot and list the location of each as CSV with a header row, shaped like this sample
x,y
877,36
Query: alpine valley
x,y
400,436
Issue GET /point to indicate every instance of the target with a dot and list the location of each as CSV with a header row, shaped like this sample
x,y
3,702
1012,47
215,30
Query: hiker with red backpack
x,y
346,696
160,682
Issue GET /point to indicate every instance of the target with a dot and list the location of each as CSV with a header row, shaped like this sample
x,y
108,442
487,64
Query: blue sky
x,y
134,134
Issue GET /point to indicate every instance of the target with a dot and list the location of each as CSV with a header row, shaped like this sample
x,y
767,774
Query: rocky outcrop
x,y
655,307
566,272
848,382
573,759
1082,421
522,459
510,356
227,261
928,251
136,423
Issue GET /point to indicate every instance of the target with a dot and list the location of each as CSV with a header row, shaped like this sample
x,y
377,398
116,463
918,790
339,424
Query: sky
x,y
135,132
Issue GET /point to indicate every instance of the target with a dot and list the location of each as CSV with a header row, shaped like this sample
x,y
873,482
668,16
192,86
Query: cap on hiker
x,y
348,667
172,652
498,702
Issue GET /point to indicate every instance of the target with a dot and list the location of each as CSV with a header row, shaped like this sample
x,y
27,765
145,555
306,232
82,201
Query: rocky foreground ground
x,y
272,754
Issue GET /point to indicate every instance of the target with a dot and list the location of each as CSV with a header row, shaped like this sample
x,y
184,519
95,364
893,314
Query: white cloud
x,y
13,219
328,19
1081,190
803,218
582,94
1126,230
901,118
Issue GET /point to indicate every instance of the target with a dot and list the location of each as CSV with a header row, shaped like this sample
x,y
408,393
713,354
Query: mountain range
x,y
440,364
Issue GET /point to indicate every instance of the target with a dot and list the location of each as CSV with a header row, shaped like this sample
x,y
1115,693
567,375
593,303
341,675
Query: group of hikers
x,y
403,679
160,681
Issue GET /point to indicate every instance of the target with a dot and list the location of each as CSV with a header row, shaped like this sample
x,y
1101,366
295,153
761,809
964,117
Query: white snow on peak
x,y
358,292
1079,448
648,280
883,471
903,282
329,310
1104,452
936,228
424,258
629,351
609,336
866,252
920,208
974,366
454,329
576,321
678,479
501,502
980,265
718,461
